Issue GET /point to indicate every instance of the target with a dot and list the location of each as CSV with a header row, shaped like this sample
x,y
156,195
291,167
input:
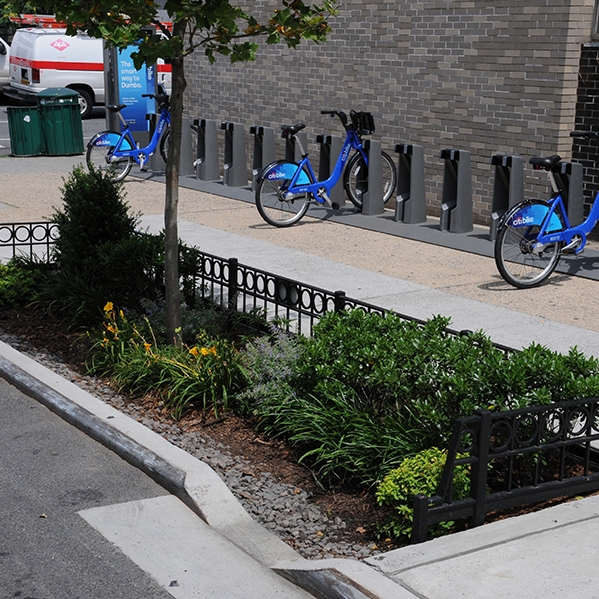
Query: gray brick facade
x,y
487,76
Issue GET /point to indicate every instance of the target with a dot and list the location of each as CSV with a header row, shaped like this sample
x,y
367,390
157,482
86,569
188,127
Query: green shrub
x,y
271,366
98,253
19,282
419,474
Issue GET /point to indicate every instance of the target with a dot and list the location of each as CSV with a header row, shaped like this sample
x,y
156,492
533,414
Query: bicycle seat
x,y
292,129
546,164
116,108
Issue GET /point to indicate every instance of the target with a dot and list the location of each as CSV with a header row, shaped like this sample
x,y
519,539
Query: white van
x,y
41,58
4,60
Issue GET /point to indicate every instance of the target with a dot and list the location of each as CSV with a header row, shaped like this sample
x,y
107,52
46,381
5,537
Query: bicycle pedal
x,y
573,246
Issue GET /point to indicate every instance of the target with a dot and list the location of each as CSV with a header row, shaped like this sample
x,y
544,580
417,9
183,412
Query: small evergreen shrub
x,y
419,474
98,254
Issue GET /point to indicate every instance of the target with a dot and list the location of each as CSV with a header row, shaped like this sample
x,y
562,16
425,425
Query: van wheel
x,y
86,103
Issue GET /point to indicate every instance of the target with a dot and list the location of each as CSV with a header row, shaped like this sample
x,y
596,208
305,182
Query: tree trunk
x,y
171,232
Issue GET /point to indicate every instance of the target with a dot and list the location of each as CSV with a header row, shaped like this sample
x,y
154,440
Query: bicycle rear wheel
x,y
275,206
518,261
100,155
356,170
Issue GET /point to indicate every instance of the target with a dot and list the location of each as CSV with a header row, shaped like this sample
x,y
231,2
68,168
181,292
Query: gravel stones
x,y
285,510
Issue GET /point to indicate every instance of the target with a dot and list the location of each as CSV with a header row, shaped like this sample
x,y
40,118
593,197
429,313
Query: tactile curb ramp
x,y
194,482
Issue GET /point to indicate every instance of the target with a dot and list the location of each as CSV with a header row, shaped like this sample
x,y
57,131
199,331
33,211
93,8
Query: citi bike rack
x,y
235,163
508,188
410,203
569,177
207,165
330,147
372,198
264,150
188,151
456,204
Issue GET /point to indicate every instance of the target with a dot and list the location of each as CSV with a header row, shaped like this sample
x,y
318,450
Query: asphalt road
x,y
49,471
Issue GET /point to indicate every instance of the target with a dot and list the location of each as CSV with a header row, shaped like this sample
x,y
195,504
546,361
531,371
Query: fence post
x,y
410,203
232,285
372,198
207,166
456,205
235,164
420,520
264,150
478,476
508,188
330,148
569,177
339,301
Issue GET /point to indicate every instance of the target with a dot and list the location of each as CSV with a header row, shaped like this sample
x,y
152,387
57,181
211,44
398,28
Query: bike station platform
x,y
415,269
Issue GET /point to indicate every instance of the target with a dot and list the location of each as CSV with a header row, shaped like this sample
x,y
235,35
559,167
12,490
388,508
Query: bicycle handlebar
x,y
342,116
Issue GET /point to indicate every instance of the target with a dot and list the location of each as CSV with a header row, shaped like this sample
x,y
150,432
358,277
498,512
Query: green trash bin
x,y
61,121
25,131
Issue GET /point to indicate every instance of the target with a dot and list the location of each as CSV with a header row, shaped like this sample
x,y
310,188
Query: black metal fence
x,y
515,458
29,239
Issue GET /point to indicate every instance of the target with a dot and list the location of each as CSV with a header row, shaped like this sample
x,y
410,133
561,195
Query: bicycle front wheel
x,y
100,156
518,260
274,204
166,138
356,170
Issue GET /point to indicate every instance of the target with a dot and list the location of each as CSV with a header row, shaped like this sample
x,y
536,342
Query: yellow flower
x,y
108,307
204,351
147,346
194,351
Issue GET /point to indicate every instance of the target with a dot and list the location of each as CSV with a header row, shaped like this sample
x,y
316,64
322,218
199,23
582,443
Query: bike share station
x,y
224,171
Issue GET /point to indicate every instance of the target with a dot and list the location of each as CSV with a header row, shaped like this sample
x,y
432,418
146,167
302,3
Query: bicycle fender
x,y
284,170
110,139
530,214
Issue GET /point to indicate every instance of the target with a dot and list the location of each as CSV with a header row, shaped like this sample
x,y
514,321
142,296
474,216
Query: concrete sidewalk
x,y
530,557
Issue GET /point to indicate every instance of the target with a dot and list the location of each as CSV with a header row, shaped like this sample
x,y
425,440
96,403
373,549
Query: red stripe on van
x,y
164,68
57,65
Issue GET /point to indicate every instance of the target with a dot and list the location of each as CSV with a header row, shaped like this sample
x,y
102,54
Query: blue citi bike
x,y
534,234
285,189
116,152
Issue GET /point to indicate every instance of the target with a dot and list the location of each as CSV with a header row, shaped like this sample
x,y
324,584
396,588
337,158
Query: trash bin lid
x,y
57,96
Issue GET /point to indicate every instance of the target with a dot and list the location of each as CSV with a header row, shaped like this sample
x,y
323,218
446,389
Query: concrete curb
x,y
192,481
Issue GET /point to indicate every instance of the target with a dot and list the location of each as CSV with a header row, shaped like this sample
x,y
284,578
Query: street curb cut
x,y
193,482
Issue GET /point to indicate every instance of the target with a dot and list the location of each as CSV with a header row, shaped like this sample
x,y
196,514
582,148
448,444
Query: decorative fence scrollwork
x,y
516,458
29,239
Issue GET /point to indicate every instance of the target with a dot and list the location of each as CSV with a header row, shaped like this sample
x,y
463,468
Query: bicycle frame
x,y
321,189
546,236
163,121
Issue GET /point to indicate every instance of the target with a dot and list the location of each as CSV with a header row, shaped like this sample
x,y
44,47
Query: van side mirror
x,y
2,49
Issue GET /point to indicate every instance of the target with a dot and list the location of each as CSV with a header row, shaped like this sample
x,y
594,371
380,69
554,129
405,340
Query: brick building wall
x,y
488,76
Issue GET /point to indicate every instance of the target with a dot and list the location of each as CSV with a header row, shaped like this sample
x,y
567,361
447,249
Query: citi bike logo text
x,y
523,220
276,175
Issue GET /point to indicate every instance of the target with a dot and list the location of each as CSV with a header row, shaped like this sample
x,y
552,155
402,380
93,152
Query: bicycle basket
x,y
363,123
